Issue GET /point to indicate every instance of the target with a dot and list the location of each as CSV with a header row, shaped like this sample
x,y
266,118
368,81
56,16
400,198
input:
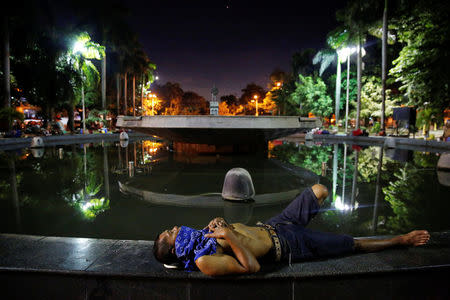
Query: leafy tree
x,y
277,77
371,98
427,116
249,91
311,96
170,94
193,104
336,40
229,99
423,64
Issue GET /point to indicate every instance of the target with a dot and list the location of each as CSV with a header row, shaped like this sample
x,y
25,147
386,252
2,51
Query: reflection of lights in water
x,y
94,207
86,206
150,149
339,204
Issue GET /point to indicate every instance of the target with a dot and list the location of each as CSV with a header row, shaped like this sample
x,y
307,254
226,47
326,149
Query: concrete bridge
x,y
219,130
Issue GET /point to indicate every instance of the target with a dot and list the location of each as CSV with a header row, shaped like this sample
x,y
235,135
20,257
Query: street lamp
x,y
344,54
255,97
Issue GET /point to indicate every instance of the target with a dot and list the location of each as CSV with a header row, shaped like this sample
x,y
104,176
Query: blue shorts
x,y
300,243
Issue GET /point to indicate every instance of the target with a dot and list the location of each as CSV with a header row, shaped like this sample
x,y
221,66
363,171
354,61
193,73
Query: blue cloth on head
x,y
191,244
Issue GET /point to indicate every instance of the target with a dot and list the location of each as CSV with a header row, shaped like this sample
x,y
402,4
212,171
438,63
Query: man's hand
x,y
218,223
219,233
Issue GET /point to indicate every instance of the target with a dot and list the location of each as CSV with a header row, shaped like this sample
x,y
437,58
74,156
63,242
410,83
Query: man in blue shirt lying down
x,y
222,248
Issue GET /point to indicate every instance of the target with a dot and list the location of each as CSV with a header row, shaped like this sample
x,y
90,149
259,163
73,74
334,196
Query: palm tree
x,y
337,40
84,50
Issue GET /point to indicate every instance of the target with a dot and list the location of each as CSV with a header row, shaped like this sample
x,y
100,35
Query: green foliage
x,y
311,95
423,64
403,198
308,158
368,164
376,127
353,87
371,98
337,38
95,115
324,57
92,208
427,116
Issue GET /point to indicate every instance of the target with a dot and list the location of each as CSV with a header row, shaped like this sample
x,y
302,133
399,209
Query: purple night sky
x,y
228,43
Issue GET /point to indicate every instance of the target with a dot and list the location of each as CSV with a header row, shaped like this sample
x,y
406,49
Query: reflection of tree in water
x,y
410,194
416,197
53,183
308,158
86,200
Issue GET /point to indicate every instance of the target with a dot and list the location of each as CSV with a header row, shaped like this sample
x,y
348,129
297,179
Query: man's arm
x,y
223,264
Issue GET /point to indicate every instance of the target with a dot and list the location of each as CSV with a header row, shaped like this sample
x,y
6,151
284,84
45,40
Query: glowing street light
x,y
255,97
344,54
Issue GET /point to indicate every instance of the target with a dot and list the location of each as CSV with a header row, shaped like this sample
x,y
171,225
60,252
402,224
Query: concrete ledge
x,y
15,143
406,143
77,268
133,258
218,122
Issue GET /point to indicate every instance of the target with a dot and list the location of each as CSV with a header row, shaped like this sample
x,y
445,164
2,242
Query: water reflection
x,y
91,191
391,192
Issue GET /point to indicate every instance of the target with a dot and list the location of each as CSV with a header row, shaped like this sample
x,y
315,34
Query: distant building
x,y
213,103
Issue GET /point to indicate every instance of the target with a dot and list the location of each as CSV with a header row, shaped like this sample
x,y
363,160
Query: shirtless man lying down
x,y
221,248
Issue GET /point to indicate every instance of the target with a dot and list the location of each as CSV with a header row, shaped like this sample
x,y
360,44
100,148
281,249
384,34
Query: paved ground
x,y
84,266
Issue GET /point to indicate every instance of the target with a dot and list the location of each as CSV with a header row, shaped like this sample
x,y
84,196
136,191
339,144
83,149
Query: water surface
x,y
109,191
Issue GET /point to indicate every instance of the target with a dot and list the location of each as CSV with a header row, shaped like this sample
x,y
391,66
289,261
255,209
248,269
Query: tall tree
x,y
337,40
423,65
311,96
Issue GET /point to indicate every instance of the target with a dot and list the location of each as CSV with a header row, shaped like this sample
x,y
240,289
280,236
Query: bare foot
x,y
415,238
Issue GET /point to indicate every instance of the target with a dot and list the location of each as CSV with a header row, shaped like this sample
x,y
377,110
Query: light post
x,y
255,97
344,54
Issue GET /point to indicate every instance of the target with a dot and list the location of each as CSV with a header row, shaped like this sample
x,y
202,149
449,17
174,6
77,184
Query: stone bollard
x,y
444,161
390,142
37,152
123,143
37,142
238,185
123,136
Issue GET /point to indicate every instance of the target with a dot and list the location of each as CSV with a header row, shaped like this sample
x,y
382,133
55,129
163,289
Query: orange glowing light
x,y
151,147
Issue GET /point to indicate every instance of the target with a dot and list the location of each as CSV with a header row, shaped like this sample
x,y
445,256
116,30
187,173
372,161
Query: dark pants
x,y
300,243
